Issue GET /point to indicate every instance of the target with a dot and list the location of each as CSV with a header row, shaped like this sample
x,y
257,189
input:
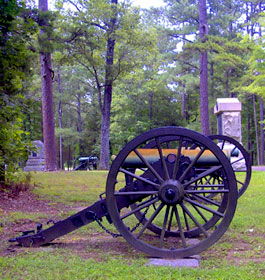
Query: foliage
x,y
155,72
14,55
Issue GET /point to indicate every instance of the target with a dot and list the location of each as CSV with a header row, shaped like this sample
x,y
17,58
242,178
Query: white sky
x,y
142,3
148,3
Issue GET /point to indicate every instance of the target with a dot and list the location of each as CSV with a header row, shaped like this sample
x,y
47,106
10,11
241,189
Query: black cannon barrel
x,y
152,155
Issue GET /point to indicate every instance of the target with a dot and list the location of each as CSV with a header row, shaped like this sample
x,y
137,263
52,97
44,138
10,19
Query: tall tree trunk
x,y
79,121
59,110
261,112
69,157
227,83
47,103
261,107
105,122
204,110
184,113
249,144
256,127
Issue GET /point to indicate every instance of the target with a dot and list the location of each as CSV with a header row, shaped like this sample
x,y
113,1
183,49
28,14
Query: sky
x,y
142,3
148,3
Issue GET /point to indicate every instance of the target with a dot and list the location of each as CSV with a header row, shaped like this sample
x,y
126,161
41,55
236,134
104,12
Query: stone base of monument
x,y
192,261
34,165
36,159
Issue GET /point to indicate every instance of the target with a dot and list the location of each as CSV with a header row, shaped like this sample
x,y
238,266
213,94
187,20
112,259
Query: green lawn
x,y
240,254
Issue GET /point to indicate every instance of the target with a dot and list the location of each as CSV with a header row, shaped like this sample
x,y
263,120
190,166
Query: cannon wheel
x,y
171,195
242,183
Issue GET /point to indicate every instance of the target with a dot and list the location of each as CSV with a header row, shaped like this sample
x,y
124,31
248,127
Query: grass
x,y
70,187
64,265
44,265
238,255
19,217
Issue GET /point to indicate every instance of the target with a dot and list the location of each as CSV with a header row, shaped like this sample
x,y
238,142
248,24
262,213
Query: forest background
x,y
139,67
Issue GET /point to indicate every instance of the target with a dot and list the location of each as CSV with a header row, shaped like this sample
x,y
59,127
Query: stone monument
x,y
228,111
36,159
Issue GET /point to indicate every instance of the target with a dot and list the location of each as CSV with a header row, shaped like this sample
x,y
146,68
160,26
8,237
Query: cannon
x,y
170,192
86,163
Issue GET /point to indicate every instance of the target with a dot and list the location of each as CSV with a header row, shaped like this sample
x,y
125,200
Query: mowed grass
x,y
64,266
250,213
227,259
69,187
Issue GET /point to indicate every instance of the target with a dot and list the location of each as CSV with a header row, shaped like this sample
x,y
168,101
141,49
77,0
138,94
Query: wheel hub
x,y
171,192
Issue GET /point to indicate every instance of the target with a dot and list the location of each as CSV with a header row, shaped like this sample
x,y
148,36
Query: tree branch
x,y
180,36
71,2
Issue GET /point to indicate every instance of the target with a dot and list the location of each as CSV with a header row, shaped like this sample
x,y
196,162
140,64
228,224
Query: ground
x,y
235,249
80,243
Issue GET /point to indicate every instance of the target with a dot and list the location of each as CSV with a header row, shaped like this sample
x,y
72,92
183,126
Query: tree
x,y
205,129
16,30
106,38
47,97
109,79
77,112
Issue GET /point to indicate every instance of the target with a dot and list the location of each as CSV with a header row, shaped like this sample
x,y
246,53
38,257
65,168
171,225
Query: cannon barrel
x,y
152,156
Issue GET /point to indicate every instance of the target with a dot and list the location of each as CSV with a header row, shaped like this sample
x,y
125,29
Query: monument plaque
x,y
36,159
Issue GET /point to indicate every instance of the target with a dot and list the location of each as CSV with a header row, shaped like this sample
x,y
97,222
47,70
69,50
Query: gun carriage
x,y
165,189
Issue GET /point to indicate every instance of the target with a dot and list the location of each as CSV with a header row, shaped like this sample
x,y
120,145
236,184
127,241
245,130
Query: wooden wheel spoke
x,y
148,200
237,160
203,174
137,193
223,144
241,183
176,165
186,220
207,191
171,218
208,180
158,145
204,207
138,177
149,166
148,222
139,208
206,199
194,220
161,241
182,177
199,212
181,233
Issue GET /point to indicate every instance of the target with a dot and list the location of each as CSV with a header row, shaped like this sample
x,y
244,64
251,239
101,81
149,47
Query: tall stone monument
x,y
36,159
228,111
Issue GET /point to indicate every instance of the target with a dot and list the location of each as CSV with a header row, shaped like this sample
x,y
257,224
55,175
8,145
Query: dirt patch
x,y
29,204
239,252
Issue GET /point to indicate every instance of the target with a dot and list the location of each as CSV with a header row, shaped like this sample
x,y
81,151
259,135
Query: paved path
x,y
258,168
